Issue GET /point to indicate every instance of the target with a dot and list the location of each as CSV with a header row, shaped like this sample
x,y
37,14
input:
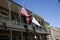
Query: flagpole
x,y
26,26
23,3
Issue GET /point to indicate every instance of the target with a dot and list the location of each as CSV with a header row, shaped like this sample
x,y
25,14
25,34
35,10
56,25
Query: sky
x,y
49,10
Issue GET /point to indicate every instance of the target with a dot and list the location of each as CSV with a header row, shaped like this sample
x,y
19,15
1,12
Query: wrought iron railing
x,y
15,24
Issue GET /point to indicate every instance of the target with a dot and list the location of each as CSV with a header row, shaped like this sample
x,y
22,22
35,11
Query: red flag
x,y
24,12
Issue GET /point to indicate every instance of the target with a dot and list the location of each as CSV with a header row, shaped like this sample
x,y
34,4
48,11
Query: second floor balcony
x,y
14,25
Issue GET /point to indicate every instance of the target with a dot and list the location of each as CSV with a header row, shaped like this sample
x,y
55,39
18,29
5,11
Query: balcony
x,y
16,26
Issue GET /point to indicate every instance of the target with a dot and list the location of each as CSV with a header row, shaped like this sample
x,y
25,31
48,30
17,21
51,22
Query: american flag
x,y
24,12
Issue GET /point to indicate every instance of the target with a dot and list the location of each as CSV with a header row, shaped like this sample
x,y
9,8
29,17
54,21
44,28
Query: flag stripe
x,y
28,19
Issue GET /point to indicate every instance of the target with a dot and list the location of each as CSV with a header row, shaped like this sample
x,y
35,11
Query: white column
x,y
10,18
9,9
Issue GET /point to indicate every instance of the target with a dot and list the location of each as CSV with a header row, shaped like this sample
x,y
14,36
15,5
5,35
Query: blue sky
x,y
47,9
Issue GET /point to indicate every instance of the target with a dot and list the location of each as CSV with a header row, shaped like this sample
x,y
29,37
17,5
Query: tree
x,y
58,0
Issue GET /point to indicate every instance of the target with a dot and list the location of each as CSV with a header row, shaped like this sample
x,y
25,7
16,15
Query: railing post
x,y
10,34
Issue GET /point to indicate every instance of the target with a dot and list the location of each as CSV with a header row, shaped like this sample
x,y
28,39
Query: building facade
x,y
55,34
14,27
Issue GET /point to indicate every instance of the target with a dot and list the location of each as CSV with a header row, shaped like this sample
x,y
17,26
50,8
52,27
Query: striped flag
x,y
24,12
